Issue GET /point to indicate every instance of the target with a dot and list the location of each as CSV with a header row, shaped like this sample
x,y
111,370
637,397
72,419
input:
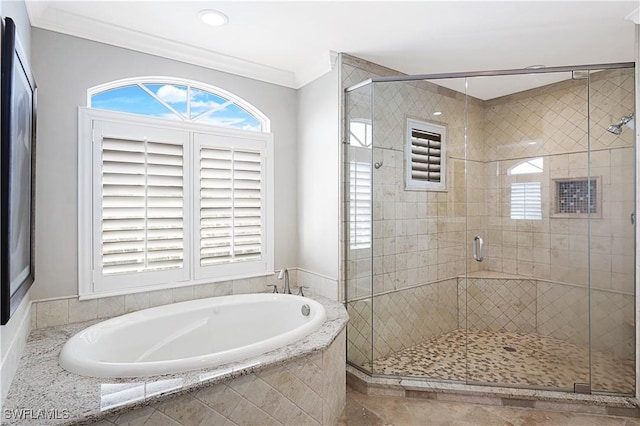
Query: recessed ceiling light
x,y
437,113
214,18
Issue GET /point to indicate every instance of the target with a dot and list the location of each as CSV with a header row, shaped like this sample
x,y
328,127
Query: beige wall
x,y
318,176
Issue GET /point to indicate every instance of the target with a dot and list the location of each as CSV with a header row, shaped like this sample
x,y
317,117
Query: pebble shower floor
x,y
509,358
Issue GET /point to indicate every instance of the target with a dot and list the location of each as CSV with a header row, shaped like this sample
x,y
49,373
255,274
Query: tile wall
x,y
551,309
404,318
309,391
400,319
47,313
550,123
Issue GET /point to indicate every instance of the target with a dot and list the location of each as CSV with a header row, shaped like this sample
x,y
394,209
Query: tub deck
x,y
45,394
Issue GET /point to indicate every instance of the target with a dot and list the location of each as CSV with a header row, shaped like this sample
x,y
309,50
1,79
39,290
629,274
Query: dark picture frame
x,y
17,161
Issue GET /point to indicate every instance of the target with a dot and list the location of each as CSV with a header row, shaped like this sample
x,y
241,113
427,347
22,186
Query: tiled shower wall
x,y
401,319
550,309
419,236
551,123
407,317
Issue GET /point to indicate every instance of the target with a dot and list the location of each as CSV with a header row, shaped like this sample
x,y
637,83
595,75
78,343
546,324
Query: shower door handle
x,y
478,248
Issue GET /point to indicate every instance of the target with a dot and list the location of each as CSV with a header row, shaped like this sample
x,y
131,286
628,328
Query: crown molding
x,y
43,15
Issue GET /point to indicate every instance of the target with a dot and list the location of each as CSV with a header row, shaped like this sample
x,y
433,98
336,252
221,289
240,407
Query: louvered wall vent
x,y
425,156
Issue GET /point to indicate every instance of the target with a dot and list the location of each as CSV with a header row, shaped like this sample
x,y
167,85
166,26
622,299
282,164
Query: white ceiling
x,y
289,43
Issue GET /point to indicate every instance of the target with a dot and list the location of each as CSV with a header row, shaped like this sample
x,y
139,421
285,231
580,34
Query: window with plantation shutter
x,y
526,197
526,201
170,204
231,207
231,179
360,195
360,204
139,204
425,156
142,206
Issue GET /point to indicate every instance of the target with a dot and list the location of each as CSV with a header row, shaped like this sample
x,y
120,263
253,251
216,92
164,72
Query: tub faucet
x,y
284,273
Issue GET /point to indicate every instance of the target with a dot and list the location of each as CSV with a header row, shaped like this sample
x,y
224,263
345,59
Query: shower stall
x,y
489,223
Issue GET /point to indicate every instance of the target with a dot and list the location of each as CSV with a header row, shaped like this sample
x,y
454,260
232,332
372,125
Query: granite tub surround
x,y
300,383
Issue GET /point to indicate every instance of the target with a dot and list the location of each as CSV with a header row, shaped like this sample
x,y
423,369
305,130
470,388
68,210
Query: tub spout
x,y
284,273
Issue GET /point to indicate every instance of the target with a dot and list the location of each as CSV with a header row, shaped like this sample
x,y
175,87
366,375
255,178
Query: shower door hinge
x,y
582,388
580,75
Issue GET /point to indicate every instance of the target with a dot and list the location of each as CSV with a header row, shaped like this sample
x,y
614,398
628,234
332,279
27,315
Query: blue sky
x,y
135,100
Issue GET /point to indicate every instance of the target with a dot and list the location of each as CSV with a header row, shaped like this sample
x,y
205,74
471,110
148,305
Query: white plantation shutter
x,y
425,156
139,205
231,207
526,201
164,205
360,204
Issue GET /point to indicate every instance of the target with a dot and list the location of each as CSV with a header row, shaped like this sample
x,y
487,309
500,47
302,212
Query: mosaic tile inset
x,y
509,358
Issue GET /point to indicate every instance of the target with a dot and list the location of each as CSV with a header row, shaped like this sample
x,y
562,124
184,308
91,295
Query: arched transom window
x,y
176,99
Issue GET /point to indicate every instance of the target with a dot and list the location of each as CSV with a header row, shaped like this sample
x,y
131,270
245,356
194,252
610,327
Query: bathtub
x,y
190,335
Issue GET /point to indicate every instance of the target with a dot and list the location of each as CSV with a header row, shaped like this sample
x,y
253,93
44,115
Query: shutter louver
x,y
230,206
360,204
142,206
426,158
526,201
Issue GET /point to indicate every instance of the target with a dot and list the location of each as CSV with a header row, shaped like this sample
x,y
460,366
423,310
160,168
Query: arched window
x,y
175,187
526,195
177,99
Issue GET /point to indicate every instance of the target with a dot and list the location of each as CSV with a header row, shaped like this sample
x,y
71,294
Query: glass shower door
x,y
527,301
419,223
611,238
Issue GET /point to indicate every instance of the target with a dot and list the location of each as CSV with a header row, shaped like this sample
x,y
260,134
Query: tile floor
x,y
509,358
365,410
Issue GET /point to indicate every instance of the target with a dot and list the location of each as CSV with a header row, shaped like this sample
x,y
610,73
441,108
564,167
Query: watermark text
x,y
35,414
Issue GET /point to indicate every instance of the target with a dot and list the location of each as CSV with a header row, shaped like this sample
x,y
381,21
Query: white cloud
x,y
204,105
238,123
222,121
172,94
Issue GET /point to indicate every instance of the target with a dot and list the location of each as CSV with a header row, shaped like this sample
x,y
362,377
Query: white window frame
x,y
89,230
418,184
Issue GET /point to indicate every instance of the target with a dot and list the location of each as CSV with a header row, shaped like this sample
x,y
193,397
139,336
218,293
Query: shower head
x,y
616,128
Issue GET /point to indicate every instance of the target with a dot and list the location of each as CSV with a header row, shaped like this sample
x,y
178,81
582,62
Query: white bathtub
x,y
190,335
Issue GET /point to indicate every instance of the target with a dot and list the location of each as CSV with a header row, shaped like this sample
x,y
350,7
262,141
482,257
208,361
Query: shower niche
x,y
534,165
